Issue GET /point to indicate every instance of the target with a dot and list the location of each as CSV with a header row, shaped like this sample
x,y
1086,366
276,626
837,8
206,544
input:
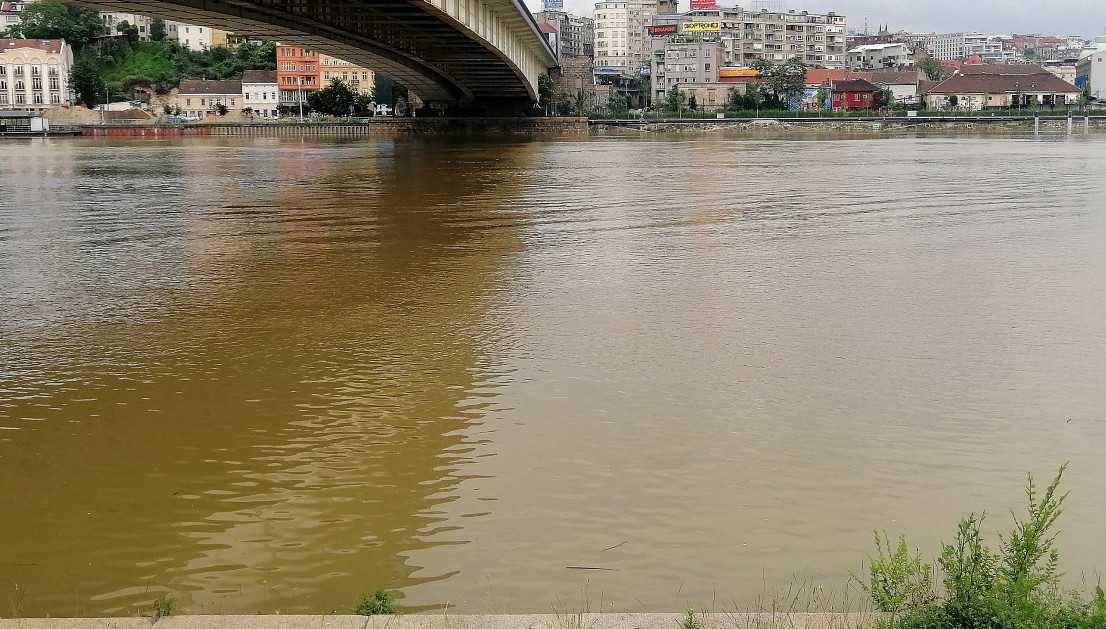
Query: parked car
x,y
383,110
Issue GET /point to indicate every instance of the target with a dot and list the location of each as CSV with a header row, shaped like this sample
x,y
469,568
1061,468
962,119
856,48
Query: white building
x,y
260,92
34,73
621,36
10,13
112,20
1091,69
878,56
196,38
815,39
575,34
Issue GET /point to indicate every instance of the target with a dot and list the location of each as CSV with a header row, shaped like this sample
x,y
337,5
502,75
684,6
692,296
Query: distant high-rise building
x,y
621,33
575,34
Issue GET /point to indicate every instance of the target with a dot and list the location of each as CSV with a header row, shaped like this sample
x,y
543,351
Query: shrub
x,y
381,601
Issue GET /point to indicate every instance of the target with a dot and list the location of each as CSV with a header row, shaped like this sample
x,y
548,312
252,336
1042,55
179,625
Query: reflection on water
x,y
270,375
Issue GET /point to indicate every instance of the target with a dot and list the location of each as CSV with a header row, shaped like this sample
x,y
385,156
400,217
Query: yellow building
x,y
360,79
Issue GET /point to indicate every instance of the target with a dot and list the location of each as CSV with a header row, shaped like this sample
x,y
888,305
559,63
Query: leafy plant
x,y
691,621
897,578
165,606
381,601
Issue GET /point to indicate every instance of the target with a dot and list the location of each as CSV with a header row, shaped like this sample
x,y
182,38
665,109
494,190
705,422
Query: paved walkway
x,y
438,621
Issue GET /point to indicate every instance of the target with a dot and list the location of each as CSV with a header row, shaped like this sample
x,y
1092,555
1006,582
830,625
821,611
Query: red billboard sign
x,y
662,30
702,4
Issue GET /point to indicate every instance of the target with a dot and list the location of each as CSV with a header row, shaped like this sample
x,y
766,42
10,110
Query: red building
x,y
297,75
853,94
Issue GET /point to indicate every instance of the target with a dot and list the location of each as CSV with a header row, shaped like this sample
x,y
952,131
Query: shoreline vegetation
x,y
968,586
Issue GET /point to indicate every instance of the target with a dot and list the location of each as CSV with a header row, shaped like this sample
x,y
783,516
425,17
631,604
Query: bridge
x,y
480,54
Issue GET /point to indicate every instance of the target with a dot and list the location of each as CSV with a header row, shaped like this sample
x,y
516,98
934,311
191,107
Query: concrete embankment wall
x,y
376,126
440,621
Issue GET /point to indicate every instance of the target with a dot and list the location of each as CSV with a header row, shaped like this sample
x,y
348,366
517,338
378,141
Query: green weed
x,y
165,605
691,621
381,601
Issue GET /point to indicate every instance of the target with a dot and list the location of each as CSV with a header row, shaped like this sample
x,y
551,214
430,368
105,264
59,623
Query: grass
x,y
165,605
381,601
1016,586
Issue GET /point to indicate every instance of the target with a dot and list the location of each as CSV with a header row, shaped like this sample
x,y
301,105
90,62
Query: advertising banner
x,y
553,5
702,4
702,26
656,31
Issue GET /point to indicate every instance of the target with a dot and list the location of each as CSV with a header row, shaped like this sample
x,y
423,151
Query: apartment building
x,y
621,39
34,73
260,92
815,39
1091,69
361,79
686,62
575,34
199,99
10,13
112,20
297,75
954,46
196,38
877,56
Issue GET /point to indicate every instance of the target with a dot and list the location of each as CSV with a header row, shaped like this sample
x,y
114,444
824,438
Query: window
x,y
55,99
38,99
17,71
36,71
21,99
3,98
20,86
36,83
188,102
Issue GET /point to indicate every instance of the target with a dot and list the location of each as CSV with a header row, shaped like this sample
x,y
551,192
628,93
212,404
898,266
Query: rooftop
x,y
45,45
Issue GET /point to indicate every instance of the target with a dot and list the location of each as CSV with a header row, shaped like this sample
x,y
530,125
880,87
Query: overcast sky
x,y
994,17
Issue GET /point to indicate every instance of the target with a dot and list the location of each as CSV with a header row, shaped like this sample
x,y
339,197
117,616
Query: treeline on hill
x,y
117,66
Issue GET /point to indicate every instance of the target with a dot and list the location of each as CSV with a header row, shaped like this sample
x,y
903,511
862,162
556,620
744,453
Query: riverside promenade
x,y
765,620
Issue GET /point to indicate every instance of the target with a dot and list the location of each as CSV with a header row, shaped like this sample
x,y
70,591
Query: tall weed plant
x,y
1015,587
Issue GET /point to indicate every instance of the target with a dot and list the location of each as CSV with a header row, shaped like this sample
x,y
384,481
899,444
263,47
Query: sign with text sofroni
x,y
668,29
553,5
702,4
702,26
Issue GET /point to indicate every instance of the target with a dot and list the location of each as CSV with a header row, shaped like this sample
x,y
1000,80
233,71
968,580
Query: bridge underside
x,y
469,53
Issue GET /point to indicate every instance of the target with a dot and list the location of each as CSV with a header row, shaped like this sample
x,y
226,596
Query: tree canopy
x,y
49,20
785,81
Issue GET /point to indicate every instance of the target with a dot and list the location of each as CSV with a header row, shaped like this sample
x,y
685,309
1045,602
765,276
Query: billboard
x,y
702,26
702,4
552,5
656,31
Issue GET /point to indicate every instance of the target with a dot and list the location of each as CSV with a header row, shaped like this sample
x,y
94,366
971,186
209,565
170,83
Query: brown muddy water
x,y
268,375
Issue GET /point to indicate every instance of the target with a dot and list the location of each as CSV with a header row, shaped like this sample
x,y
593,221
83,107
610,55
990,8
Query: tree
x,y
822,96
336,99
882,98
1085,95
221,109
128,30
954,100
933,69
545,92
157,30
619,104
785,81
676,101
86,80
49,20
692,103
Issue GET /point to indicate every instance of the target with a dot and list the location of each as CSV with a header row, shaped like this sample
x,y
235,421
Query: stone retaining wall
x,y
375,126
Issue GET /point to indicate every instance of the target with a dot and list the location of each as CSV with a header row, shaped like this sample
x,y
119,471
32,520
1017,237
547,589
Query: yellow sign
x,y
702,26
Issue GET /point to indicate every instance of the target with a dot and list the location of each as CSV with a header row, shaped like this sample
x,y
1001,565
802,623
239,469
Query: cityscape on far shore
x,y
629,54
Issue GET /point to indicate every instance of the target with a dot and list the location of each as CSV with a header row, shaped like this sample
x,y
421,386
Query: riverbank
x,y
381,126
446,621
1055,124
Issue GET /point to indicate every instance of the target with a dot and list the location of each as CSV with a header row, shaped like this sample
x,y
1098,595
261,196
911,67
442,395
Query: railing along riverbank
x,y
1071,123
372,126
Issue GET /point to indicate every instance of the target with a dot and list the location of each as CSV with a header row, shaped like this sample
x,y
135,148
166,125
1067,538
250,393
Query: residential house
x,y
199,99
1091,68
297,76
113,19
34,73
196,38
10,13
575,34
360,78
260,93
987,86
903,85
876,56
852,94
680,63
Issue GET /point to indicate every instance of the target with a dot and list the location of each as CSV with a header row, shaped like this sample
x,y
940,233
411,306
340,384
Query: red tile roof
x,y
545,28
818,76
45,45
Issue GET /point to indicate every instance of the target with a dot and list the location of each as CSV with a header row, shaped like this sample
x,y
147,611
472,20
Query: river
x,y
612,373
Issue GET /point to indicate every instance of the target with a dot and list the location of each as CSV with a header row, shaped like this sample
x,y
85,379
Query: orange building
x,y
297,75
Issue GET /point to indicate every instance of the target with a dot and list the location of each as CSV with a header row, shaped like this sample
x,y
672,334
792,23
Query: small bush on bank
x,y
381,601
1015,587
